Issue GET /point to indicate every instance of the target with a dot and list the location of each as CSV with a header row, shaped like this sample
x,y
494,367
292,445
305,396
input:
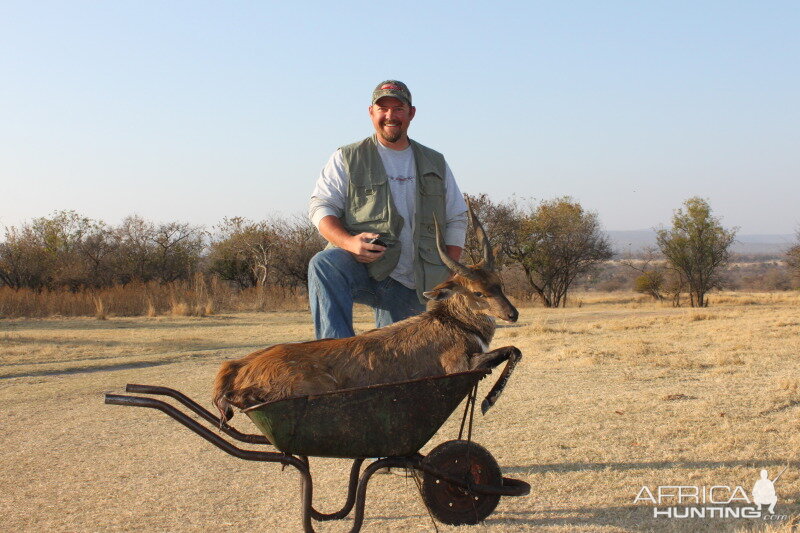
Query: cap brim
x,y
393,94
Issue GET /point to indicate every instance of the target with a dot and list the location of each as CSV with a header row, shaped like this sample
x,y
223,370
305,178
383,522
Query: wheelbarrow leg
x,y
352,485
308,496
400,462
308,511
361,493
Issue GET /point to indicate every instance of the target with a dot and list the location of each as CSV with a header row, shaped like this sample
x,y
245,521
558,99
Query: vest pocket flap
x,y
428,228
431,185
367,203
428,252
366,180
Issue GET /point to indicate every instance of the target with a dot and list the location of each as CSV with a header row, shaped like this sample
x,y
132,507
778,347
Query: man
x,y
764,491
386,187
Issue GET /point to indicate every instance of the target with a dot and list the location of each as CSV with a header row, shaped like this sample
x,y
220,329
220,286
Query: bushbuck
x,y
452,335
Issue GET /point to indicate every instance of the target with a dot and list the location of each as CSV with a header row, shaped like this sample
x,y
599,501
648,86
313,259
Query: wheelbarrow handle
x,y
199,410
207,434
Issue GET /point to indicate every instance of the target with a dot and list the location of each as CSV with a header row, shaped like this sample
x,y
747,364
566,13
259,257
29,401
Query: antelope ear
x,y
440,292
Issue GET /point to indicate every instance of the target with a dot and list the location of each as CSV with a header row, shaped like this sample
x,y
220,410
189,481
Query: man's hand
x,y
363,251
332,229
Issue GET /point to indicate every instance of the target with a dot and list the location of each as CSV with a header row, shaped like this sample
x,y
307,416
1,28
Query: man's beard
x,y
391,137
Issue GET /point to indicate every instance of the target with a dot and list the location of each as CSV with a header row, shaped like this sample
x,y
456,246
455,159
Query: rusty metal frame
x,y
199,410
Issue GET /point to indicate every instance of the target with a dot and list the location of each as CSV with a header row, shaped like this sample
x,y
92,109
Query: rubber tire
x,y
449,503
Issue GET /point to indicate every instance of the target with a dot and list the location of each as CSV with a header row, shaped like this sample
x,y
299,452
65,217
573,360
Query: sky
x,y
195,111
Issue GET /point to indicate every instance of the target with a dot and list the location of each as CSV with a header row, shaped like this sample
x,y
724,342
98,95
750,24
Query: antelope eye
x,y
478,294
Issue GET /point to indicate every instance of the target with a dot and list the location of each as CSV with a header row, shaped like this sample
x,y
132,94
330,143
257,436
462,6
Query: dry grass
x,y
100,309
150,310
754,298
200,297
195,298
608,398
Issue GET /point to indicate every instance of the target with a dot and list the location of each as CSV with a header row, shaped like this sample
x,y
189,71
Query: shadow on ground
x,y
656,465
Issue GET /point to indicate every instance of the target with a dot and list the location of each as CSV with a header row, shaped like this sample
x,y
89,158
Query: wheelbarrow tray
x,y
393,419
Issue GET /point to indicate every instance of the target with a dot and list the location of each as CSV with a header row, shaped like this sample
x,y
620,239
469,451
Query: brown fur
x,y
442,340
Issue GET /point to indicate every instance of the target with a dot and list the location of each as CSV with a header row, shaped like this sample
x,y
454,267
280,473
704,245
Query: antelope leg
x,y
493,358
512,355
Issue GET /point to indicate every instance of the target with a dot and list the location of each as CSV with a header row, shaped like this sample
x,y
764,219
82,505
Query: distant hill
x,y
635,241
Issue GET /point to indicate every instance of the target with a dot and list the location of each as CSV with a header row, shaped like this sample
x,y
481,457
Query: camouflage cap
x,y
393,88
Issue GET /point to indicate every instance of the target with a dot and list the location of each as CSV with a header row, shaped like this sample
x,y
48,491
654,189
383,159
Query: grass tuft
x,y
100,309
179,309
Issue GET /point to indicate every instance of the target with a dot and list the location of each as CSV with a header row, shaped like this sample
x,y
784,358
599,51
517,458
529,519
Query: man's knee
x,y
331,258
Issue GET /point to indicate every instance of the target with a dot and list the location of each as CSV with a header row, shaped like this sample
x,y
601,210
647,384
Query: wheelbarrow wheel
x,y
465,460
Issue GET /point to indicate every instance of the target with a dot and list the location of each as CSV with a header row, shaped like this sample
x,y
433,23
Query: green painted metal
x,y
394,419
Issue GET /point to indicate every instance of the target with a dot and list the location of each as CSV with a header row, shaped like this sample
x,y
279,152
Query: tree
x,y
64,250
657,277
178,247
554,243
166,252
495,218
98,249
297,242
651,279
650,282
275,251
243,251
660,282
23,261
698,247
793,257
134,257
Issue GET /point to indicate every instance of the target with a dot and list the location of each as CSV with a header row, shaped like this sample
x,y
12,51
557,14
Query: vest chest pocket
x,y
431,185
368,202
432,201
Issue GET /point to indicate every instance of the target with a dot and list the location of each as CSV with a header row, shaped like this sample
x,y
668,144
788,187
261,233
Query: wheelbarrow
x,y
461,481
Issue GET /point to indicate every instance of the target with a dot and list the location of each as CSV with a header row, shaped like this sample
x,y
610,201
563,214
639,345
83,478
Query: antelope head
x,y
479,285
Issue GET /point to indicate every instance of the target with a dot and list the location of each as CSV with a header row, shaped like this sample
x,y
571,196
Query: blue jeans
x,y
336,281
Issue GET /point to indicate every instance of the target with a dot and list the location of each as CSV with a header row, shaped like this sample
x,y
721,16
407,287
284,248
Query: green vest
x,y
369,208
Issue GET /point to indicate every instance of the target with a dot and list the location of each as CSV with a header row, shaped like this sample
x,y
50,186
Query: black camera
x,y
379,242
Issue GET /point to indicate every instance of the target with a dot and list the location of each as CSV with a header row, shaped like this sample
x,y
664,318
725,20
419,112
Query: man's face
x,y
391,118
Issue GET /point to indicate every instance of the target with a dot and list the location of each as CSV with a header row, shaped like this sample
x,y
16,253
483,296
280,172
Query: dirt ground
x,y
608,399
